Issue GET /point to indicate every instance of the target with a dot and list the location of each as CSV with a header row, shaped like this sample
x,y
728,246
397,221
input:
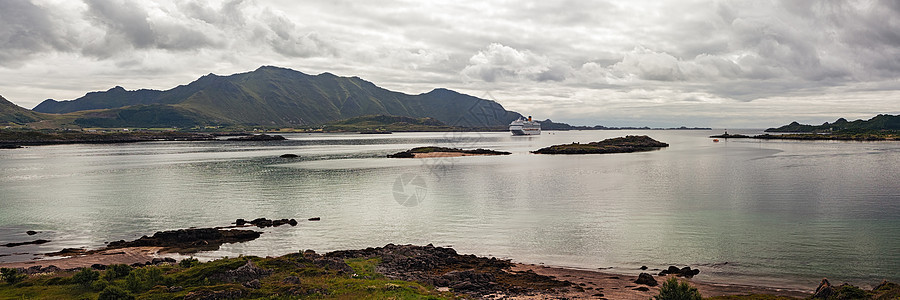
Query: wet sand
x,y
105,257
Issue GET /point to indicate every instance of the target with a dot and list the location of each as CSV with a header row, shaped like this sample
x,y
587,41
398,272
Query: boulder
x,y
824,290
245,273
291,280
289,155
683,272
252,284
646,279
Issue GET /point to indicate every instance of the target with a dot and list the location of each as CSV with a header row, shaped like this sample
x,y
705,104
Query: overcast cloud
x,y
615,63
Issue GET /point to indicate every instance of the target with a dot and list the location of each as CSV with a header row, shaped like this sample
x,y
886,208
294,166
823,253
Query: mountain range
x,y
272,96
879,122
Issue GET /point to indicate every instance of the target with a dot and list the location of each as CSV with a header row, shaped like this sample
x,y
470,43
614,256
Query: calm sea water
x,y
782,213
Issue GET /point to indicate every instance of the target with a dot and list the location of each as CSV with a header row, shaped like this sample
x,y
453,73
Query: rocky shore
x,y
391,271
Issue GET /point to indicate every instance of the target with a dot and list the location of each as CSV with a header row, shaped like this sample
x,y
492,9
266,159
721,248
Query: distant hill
x,y
879,122
550,125
380,123
12,113
276,97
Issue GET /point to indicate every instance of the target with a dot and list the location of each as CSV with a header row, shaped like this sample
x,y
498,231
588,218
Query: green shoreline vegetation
x,y
372,273
291,276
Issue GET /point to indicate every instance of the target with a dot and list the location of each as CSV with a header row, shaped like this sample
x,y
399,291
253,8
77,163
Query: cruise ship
x,y
524,126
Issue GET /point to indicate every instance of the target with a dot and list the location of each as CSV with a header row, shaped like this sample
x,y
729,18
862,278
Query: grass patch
x,y
290,277
752,297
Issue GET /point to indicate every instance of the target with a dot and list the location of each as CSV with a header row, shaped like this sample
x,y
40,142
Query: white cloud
x,y
499,62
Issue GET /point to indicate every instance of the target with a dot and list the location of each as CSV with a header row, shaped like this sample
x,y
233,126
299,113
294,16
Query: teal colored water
x,y
781,213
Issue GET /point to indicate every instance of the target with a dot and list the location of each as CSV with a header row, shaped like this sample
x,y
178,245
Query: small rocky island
x,y
259,137
730,136
628,144
423,152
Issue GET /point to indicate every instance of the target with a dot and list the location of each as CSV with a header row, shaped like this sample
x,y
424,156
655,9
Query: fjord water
x,y
780,213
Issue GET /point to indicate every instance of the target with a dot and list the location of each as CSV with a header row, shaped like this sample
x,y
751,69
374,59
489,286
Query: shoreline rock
x,y
187,241
35,242
686,272
646,279
263,222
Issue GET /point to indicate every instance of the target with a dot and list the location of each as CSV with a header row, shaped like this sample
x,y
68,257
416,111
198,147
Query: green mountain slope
x,y
284,97
384,123
879,122
12,113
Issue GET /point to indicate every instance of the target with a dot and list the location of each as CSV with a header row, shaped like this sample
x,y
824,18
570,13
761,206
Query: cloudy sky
x,y
728,64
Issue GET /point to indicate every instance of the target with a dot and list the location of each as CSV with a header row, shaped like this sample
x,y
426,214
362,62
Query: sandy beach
x,y
616,286
126,256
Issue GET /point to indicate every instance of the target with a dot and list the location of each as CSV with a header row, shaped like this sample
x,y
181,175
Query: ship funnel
x,y
529,118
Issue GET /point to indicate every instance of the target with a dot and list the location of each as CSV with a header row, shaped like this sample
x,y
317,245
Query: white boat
x,y
524,126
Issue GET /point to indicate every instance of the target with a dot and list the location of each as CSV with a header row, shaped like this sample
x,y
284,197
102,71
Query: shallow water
x,y
782,213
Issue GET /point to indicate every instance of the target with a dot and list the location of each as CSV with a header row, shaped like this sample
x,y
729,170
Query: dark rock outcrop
x,y
245,273
824,290
683,272
253,284
443,267
646,279
291,280
35,242
289,155
186,241
263,222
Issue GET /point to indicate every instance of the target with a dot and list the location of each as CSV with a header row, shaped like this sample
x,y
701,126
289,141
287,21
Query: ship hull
x,y
525,132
